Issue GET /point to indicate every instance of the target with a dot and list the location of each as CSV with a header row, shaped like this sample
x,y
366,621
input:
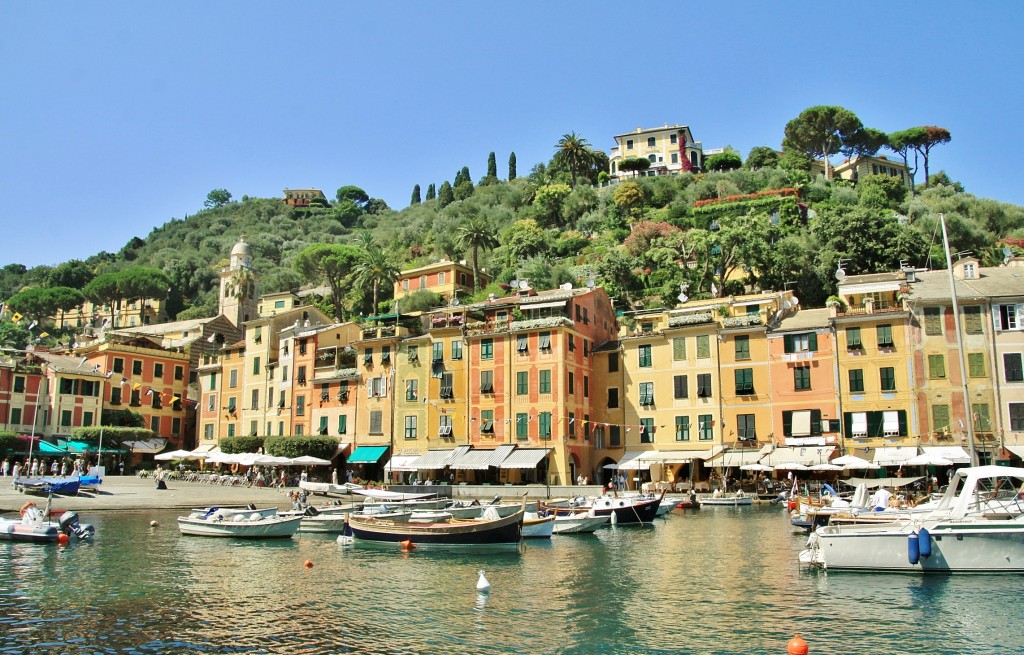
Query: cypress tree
x,y
415,195
465,175
445,196
492,166
512,167
431,191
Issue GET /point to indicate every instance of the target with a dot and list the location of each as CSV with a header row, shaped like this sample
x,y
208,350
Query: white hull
x,y
956,547
579,523
263,528
538,528
969,531
726,501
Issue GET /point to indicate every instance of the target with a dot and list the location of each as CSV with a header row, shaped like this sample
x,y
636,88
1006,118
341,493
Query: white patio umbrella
x,y
791,466
926,459
272,460
174,454
307,460
756,467
854,462
825,467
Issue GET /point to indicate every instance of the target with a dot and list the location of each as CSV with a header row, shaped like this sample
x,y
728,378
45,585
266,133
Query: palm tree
x,y
574,153
376,267
474,234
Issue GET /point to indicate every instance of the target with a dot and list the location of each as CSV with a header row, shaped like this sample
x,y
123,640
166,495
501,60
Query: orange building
x,y
450,280
801,353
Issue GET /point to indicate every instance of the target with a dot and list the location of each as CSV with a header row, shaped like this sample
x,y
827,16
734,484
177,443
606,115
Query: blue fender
x,y
913,548
924,543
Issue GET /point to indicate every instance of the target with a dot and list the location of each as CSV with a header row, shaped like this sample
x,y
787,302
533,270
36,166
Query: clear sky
x,y
117,116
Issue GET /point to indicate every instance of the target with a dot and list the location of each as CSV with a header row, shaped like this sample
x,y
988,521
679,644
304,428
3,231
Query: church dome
x,y
241,249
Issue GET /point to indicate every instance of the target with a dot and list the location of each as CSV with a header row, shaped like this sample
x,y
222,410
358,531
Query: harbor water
x,y
721,580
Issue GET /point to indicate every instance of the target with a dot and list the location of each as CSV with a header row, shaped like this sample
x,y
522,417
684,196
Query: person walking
x,y
6,467
17,473
63,468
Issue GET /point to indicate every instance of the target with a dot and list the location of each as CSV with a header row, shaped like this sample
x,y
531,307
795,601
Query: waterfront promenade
x,y
133,493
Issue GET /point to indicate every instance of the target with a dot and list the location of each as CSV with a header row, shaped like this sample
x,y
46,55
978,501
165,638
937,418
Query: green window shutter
x,y
902,416
976,362
980,415
787,424
787,341
703,347
679,348
815,422
940,417
812,342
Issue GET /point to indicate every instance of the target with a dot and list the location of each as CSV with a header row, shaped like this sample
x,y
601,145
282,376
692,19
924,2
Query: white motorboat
x,y
570,522
717,499
536,526
976,527
252,526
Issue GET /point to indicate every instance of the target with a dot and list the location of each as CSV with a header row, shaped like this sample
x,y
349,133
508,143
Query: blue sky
x,y
118,116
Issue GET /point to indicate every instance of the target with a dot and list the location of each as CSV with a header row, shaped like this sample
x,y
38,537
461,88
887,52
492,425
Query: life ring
x,y
25,507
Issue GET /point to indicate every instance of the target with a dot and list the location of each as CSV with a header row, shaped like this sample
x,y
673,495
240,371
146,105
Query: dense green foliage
x,y
243,444
297,446
113,436
640,239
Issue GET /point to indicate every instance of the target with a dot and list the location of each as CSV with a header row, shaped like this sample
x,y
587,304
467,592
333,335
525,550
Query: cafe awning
x,y
806,455
894,456
525,458
955,454
438,459
147,446
402,463
633,461
367,454
479,459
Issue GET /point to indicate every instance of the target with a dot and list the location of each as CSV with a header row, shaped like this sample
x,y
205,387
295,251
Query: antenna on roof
x,y
963,253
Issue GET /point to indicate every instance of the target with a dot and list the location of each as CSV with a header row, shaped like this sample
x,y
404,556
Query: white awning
x,y
402,463
859,425
894,456
737,458
801,423
632,461
148,446
955,454
542,305
525,458
806,455
676,456
1016,450
204,448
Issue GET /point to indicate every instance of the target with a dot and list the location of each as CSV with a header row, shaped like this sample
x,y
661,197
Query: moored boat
x,y
501,531
726,500
34,526
971,530
538,527
253,526
575,522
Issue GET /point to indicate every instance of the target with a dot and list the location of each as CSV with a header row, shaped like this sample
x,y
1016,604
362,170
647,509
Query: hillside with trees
x,y
763,223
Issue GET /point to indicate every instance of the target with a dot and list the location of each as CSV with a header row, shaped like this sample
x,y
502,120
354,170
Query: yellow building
x,y
670,149
124,313
858,167
694,381
450,280
875,370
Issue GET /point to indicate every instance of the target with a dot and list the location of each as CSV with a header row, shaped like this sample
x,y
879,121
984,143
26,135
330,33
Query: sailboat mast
x,y
959,345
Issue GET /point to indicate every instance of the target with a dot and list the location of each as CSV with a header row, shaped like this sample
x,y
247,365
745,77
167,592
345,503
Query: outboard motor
x,y
69,525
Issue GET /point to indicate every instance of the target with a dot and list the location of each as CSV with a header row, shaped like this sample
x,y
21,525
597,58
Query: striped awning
x,y
737,458
438,459
525,458
480,459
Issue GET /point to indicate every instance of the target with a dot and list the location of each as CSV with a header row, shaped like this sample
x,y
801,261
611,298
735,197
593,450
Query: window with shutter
x,y
680,386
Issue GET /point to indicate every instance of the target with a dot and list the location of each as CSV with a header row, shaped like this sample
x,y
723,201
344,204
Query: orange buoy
x,y
308,564
407,545
63,539
797,646
25,507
